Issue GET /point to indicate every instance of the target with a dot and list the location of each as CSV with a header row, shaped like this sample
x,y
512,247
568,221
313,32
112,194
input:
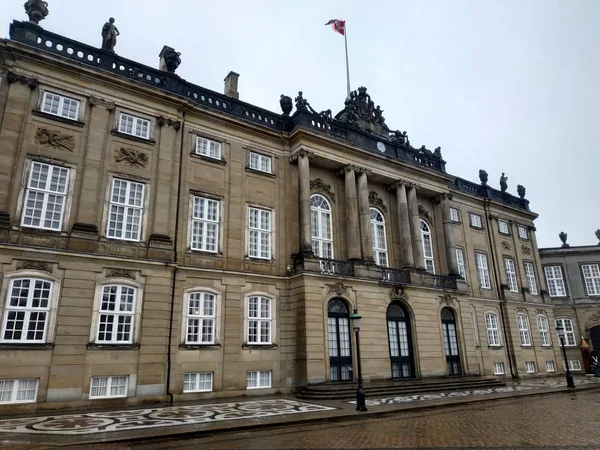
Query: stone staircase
x,y
388,388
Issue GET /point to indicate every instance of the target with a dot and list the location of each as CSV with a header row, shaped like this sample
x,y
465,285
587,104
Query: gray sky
x,y
500,85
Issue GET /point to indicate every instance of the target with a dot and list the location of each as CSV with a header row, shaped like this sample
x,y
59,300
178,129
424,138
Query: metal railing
x,y
397,276
336,267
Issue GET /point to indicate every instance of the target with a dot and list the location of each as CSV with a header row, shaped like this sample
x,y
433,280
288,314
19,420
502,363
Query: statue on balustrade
x,y
503,183
37,10
109,35
483,177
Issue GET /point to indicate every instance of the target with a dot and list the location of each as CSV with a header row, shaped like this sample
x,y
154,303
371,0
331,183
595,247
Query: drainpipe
x,y
175,264
499,291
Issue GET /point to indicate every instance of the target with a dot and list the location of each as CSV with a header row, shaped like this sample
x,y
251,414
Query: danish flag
x,y
338,25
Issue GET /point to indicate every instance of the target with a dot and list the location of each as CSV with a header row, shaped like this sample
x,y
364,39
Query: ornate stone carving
x,y
424,213
37,10
483,177
526,250
162,121
594,319
598,235
563,238
301,152
131,156
397,293
109,35
506,246
169,58
286,104
399,138
302,104
54,139
520,309
320,186
503,182
448,300
12,77
120,273
337,288
361,112
95,101
35,265
540,312
521,190
377,202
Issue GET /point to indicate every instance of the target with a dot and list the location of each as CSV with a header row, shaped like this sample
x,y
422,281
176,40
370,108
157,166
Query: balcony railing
x,y
336,267
443,282
396,276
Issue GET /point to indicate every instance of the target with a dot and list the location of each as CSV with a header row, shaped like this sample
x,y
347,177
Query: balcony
x,y
336,267
394,276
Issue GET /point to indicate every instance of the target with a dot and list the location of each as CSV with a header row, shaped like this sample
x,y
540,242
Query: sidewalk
x,y
215,416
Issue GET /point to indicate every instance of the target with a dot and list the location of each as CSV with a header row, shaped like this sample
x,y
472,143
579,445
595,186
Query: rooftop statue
x,y
598,235
37,10
483,177
563,238
302,104
503,183
360,111
109,35
521,190
286,104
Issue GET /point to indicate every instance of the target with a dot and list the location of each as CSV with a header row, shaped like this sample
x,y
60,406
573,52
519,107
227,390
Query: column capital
x,y
392,187
300,153
436,200
363,171
96,101
162,121
414,186
348,168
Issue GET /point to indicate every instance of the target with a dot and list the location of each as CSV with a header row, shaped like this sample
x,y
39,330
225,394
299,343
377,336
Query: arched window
x,y
400,341
542,323
427,246
523,326
320,224
493,331
200,317
380,252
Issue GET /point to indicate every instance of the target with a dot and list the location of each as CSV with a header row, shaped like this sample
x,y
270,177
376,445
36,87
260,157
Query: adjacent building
x,y
162,241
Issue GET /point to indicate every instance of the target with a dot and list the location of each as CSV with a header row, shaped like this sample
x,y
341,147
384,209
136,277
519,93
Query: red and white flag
x,y
338,25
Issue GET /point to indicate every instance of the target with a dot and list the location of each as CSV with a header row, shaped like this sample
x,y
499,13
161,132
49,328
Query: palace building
x,y
160,241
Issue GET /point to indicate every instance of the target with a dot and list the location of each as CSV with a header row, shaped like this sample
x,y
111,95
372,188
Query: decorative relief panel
x,y
448,300
424,213
35,265
131,156
320,186
377,202
120,273
506,246
397,293
337,288
526,250
55,139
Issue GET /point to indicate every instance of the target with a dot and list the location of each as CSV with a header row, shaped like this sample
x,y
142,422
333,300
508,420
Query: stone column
x,y
352,221
449,235
302,156
408,260
366,236
415,227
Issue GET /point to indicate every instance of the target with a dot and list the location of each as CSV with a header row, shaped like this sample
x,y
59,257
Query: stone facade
x,y
170,230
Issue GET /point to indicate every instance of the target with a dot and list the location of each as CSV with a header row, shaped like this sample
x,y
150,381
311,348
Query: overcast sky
x,y
505,85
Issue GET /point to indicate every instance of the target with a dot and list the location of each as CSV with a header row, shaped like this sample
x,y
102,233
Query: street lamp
x,y
360,392
561,336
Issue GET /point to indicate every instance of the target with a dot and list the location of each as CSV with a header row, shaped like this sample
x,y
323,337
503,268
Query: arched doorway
x,y
338,332
400,341
450,342
595,338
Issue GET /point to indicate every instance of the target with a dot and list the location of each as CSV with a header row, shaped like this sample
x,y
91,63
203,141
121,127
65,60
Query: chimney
x,y
231,85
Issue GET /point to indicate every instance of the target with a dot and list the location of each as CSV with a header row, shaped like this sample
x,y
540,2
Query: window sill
x,y
495,347
260,172
132,138
25,346
259,260
192,251
44,231
199,347
45,115
260,346
473,227
501,233
208,159
94,346
527,346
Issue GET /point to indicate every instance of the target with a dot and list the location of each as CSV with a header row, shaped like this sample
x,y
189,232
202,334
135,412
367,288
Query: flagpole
x,y
347,65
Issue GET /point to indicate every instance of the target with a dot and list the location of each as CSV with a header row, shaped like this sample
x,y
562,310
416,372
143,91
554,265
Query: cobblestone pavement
x,y
559,421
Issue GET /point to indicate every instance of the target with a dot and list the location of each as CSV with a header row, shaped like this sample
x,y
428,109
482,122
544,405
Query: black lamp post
x,y
360,392
561,336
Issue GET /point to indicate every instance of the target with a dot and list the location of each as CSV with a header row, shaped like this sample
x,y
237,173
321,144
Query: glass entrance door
x,y
338,327
450,342
400,342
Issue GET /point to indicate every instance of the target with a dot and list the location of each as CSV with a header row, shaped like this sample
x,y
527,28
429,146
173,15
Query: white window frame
x,y
555,281
529,366
523,327
122,310
427,243
483,271
16,389
569,336
475,220
111,379
208,148
61,105
259,379
499,368
591,278
45,193
544,330
129,210
380,249
530,277
194,379
492,326
260,162
454,216
503,227
461,263
511,274
256,322
321,226
262,229
140,127
205,219
201,317
574,365
523,232
550,366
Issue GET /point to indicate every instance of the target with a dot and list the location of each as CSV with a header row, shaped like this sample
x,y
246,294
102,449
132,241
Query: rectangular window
x,y
26,311
117,315
18,391
107,387
591,276
511,275
134,126
475,220
498,368
530,275
198,382
542,324
208,148
259,320
523,325
260,233
493,332
126,210
454,215
574,365
45,197
201,314
550,366
205,224
530,366
258,379
259,162
569,331
483,273
503,227
554,279
523,233
462,266
59,105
